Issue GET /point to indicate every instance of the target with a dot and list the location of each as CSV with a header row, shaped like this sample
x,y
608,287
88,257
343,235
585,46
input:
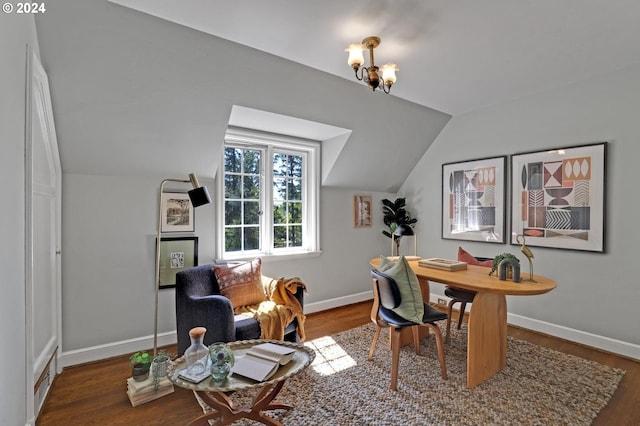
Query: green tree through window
x,y
269,196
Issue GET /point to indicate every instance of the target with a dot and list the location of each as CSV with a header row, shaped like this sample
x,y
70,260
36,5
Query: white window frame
x,y
268,142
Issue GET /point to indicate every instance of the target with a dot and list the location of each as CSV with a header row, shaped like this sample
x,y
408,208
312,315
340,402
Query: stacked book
x,y
444,264
142,392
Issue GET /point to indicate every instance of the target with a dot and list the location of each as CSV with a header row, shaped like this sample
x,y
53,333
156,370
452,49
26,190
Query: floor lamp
x,y
199,196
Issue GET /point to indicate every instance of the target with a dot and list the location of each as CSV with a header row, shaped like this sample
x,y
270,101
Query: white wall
x,y
597,294
16,31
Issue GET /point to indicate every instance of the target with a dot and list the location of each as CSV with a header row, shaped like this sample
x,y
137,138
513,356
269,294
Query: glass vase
x,y
222,360
197,354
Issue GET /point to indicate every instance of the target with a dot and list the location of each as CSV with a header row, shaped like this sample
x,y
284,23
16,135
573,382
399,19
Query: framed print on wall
x,y
473,194
361,210
177,212
176,254
558,197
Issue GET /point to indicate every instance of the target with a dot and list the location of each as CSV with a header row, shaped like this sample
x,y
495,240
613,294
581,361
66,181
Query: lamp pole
x,y
199,196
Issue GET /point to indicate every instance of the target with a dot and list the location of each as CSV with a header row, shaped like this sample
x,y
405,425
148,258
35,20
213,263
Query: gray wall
x,y
109,231
16,32
596,293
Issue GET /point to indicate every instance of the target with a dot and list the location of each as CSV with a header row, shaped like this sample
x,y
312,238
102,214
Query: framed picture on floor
x,y
177,212
558,197
176,254
473,200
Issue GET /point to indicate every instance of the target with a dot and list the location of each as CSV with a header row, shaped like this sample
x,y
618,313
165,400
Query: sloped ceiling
x,y
137,95
454,56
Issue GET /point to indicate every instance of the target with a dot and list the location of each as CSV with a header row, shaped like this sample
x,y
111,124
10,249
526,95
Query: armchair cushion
x,y
411,305
242,283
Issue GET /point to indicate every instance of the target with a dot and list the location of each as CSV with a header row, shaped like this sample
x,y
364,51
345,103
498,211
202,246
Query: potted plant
x,y
396,214
499,258
140,365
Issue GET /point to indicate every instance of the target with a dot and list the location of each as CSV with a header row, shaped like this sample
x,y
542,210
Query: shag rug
x,y
538,386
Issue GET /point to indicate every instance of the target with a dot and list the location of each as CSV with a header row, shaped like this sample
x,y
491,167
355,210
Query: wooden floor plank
x,y
95,394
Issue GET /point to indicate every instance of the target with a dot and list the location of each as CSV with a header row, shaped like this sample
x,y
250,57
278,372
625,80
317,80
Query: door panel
x,y
43,288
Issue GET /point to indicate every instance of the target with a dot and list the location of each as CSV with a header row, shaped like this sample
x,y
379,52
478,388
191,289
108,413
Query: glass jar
x,y
222,360
197,354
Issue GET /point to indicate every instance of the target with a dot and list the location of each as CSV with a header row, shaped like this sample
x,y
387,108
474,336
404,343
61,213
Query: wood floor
x,y
94,394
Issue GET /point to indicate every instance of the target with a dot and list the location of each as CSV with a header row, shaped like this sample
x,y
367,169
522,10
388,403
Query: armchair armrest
x,y
213,312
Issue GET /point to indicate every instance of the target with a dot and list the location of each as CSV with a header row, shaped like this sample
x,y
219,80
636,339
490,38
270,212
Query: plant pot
x,y
160,366
140,372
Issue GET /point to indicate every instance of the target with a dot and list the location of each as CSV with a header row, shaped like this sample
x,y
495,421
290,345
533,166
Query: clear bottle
x,y
197,354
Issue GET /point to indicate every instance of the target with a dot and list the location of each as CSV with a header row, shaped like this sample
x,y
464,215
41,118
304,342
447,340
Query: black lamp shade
x,y
199,196
403,230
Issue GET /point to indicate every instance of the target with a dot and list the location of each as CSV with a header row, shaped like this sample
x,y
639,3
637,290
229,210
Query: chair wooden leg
x,y
463,306
416,338
375,341
439,344
449,311
395,357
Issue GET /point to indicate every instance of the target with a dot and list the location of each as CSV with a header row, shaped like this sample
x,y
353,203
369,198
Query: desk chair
x,y
386,296
461,296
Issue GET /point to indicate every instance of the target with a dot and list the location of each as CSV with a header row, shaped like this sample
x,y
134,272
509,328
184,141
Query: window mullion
x,y
267,201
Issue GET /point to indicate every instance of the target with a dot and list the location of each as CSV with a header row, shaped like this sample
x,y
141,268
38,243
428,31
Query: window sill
x,y
268,258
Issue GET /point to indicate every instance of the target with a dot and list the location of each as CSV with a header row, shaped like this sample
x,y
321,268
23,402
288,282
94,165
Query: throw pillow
x,y
242,284
411,305
464,256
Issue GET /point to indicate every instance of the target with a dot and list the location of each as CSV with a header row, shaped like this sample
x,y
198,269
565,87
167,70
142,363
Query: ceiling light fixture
x,y
371,74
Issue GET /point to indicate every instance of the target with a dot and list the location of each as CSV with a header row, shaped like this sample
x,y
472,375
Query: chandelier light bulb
x,y
356,58
389,73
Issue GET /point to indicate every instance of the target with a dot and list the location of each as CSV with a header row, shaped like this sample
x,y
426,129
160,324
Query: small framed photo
x,y
558,197
177,212
361,210
176,254
473,200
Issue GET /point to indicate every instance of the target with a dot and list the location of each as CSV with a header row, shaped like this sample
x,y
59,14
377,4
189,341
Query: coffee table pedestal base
x,y
226,412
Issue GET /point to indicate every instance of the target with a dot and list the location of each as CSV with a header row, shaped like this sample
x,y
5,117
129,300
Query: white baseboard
x,y
109,350
337,302
619,347
95,353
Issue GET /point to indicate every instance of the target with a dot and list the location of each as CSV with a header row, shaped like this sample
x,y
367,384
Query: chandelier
x,y
371,74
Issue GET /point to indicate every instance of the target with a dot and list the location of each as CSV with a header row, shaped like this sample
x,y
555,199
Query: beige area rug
x,y
538,386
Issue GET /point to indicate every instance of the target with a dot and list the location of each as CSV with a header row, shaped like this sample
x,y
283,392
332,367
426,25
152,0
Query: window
x,y
268,192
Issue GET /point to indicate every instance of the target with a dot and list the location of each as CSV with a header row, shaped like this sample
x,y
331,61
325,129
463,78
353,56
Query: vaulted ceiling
x,y
149,89
454,56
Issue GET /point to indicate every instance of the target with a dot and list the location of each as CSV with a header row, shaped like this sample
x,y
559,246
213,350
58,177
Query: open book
x,y
262,361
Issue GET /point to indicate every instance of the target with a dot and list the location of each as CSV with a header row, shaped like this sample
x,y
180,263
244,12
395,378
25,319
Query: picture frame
x,y
362,211
558,197
176,254
473,200
177,212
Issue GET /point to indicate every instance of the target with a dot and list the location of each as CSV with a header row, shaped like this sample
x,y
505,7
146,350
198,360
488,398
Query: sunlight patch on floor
x,y
330,357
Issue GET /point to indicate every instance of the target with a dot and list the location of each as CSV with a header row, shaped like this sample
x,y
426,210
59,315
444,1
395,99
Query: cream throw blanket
x,y
281,308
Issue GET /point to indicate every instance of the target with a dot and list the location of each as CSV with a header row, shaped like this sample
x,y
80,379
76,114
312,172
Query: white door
x,y
43,219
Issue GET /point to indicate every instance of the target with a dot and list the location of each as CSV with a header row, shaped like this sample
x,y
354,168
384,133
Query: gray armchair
x,y
199,303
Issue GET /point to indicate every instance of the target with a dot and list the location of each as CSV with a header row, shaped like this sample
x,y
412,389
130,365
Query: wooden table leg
x,y
487,337
226,412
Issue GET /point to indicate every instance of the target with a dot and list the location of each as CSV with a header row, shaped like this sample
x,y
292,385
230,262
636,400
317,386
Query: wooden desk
x,y
487,332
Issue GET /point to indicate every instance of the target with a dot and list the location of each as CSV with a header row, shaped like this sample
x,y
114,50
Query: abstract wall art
x,y
473,194
558,197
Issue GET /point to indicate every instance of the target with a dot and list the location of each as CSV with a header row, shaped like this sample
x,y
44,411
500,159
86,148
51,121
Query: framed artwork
x,y
361,210
558,197
473,194
176,254
177,212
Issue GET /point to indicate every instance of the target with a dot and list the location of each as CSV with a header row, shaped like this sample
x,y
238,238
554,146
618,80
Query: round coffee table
x,y
214,393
